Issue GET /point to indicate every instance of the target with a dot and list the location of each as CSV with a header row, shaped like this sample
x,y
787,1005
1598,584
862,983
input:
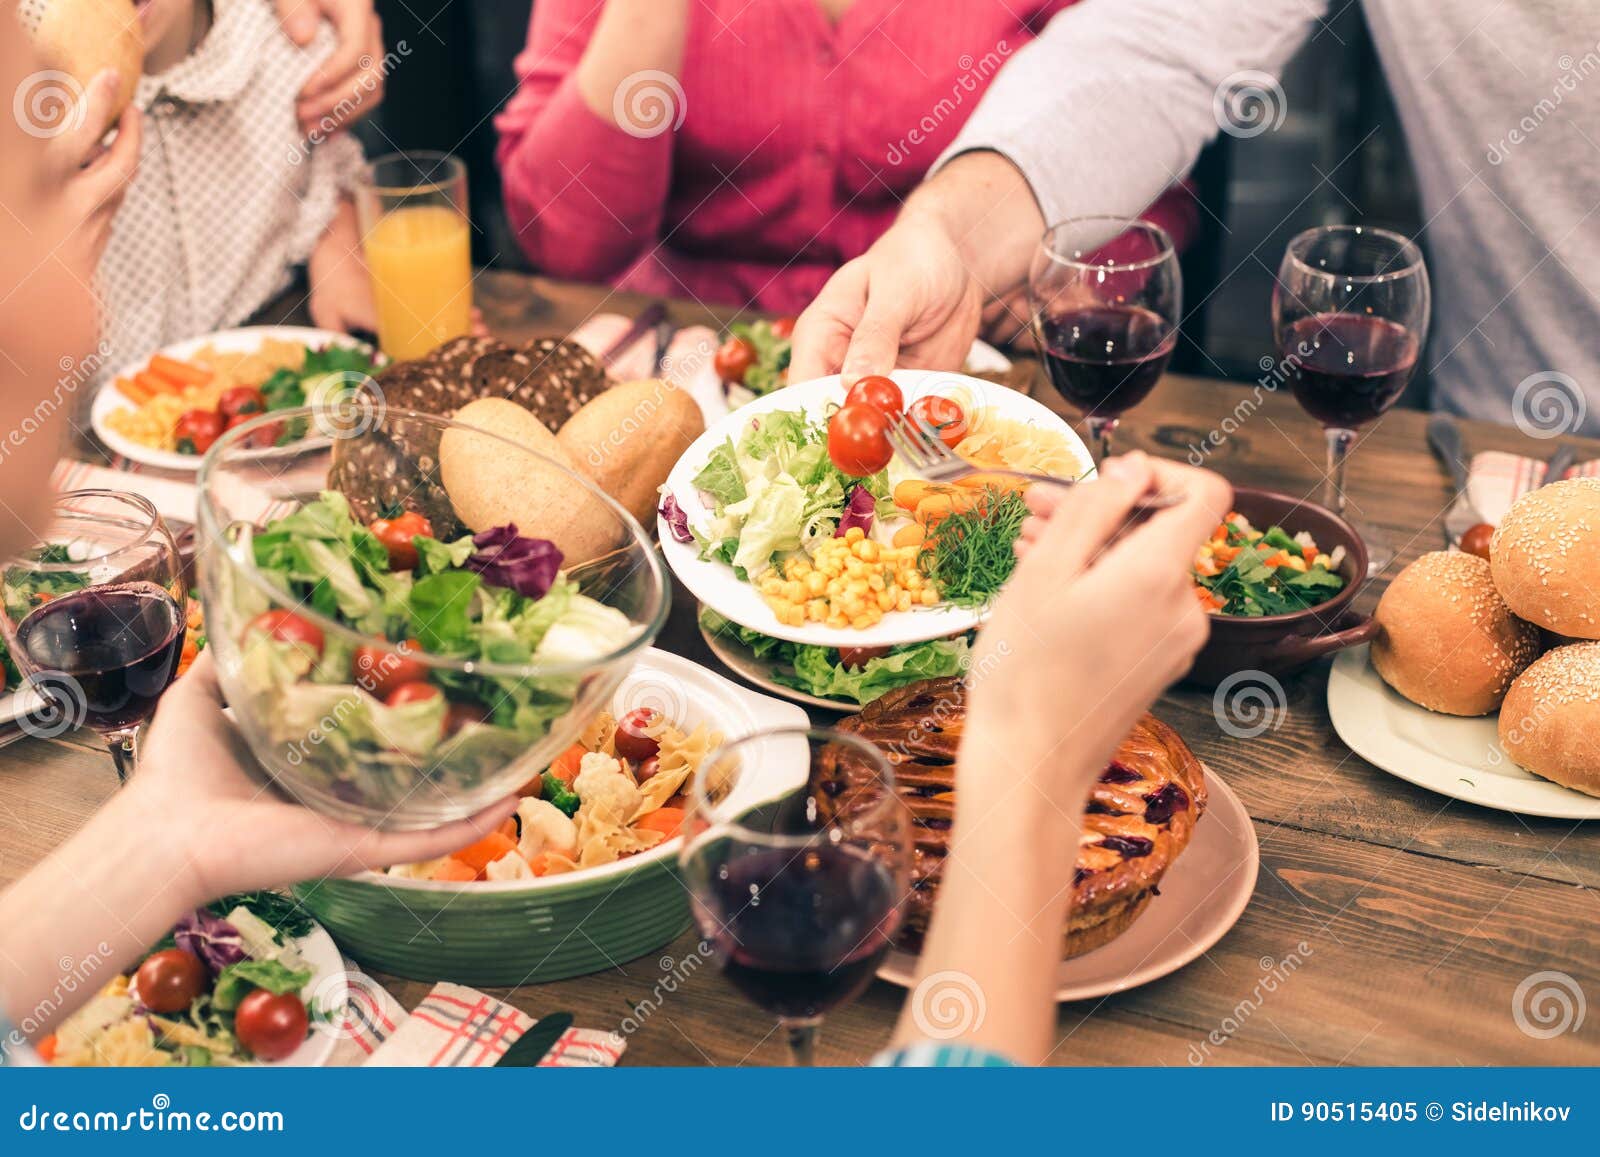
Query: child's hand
x,y
341,289
89,178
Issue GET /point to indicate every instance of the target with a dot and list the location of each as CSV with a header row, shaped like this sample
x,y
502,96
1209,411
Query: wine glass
x,y
1350,318
93,616
797,855
1106,295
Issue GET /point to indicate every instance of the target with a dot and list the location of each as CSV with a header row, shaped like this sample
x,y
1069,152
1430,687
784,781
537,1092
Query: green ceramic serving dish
x,y
527,932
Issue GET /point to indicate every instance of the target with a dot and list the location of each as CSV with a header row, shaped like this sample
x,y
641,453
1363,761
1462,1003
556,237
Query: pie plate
x,y
1203,894
717,586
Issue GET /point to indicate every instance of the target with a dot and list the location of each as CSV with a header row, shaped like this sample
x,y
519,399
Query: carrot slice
x,y
180,374
486,851
133,391
666,820
155,383
509,828
454,871
565,768
47,1049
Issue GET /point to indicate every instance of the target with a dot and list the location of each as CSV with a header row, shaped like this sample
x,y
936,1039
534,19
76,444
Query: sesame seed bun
x,y
1447,641
1550,723
1546,557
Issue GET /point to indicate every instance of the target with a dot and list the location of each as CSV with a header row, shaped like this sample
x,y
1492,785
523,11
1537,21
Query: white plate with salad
x,y
760,498
247,980
166,410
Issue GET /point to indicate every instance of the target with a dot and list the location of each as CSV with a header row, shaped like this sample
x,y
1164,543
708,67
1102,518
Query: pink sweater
x,y
799,140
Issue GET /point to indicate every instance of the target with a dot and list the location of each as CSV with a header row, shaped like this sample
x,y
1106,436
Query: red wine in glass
x,y
1105,359
1347,369
118,644
803,931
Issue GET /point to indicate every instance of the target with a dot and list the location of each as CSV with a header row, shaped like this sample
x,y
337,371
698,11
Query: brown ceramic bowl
x,y
1282,644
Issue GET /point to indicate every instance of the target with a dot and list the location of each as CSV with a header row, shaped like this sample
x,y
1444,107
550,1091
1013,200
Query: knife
x,y
647,320
530,1048
1560,462
665,331
1445,438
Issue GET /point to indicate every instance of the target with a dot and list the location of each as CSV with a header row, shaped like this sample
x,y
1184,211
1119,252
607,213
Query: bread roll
x,y
1447,641
490,484
628,439
82,38
1550,723
1546,557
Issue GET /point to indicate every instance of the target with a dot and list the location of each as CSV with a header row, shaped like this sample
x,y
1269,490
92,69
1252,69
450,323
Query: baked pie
x,y
1139,818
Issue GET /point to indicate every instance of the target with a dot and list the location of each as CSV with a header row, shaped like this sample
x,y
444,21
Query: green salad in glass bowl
x,y
389,661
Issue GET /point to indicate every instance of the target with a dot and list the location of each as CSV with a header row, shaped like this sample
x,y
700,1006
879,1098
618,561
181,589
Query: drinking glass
x,y
93,615
1106,295
797,856
1350,318
418,243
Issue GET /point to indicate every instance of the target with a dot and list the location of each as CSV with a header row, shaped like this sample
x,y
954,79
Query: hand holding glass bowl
x,y
405,697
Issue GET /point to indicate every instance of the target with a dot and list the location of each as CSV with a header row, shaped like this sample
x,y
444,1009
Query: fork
x,y
921,448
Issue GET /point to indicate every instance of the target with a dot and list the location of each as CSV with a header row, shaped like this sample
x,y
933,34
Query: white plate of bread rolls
x,y
1483,683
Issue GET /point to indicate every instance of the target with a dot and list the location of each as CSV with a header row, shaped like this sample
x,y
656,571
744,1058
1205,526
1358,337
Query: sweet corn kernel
x,y
854,534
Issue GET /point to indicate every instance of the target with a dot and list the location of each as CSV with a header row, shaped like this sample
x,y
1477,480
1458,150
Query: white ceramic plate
x,y
329,990
716,585
1202,895
110,399
1458,757
744,662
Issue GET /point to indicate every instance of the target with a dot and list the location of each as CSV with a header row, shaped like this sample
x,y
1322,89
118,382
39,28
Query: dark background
x,y
1337,156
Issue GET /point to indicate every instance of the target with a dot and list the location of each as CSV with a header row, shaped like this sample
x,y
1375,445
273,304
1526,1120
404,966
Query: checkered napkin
x,y
173,495
454,1027
1498,479
689,363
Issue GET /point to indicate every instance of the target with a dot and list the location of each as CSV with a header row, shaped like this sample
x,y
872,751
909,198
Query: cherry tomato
x,y
396,535
458,715
734,358
267,436
944,416
632,741
783,326
271,1025
169,980
1476,540
381,669
877,390
858,440
411,693
858,656
287,627
196,430
241,400
646,769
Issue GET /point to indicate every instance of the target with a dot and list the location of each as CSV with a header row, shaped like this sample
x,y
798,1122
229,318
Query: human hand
x,y
90,178
240,834
350,82
908,301
1091,627
341,287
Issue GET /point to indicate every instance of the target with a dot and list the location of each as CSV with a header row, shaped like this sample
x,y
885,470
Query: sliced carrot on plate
x,y
454,871
181,374
666,820
486,851
565,767
133,391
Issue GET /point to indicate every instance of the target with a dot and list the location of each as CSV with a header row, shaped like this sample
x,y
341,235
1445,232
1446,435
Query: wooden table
x,y
1421,914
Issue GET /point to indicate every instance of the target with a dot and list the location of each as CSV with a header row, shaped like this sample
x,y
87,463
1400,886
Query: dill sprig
x,y
972,553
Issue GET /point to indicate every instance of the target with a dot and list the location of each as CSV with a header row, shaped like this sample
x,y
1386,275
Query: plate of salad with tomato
x,y
167,410
247,980
792,516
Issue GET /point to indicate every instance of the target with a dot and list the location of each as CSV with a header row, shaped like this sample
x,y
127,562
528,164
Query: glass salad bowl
x,y
411,619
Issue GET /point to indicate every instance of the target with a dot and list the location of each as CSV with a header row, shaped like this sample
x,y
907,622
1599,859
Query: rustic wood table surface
x,y
1419,915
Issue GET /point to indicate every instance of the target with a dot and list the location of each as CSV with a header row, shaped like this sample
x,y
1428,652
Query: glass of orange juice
x,y
418,245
